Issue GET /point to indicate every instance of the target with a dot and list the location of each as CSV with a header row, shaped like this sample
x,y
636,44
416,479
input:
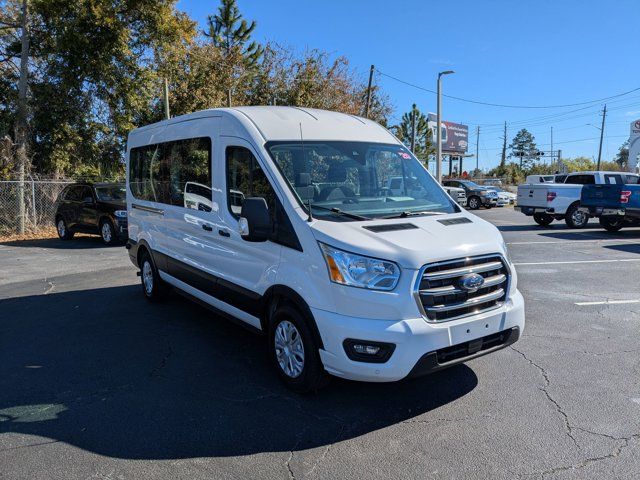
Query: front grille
x,y
441,297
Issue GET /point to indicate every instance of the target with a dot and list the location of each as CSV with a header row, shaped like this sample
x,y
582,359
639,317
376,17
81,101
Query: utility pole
x,y
413,128
368,101
21,118
604,116
503,159
167,114
439,125
551,147
477,147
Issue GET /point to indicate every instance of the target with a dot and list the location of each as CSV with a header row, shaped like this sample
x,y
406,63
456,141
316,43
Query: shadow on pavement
x,y
76,243
627,248
105,371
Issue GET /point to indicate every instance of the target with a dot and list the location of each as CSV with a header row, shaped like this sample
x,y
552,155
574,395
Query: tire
x,y
474,202
153,288
610,224
294,352
63,230
574,218
107,232
543,219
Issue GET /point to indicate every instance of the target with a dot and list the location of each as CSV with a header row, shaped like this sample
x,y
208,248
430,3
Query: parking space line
x,y
608,302
578,262
609,240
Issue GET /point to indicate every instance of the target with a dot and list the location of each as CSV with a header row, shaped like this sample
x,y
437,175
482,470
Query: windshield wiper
x,y
337,211
411,214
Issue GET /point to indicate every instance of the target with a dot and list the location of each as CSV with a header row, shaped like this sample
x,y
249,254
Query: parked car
x,y
615,205
98,209
477,195
504,197
458,194
343,276
547,202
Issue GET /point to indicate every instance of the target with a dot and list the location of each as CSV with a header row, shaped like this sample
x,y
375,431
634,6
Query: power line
x,y
478,102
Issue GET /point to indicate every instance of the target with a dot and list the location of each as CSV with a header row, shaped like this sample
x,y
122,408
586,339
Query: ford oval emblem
x,y
471,282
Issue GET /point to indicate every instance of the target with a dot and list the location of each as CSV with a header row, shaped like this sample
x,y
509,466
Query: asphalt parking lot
x,y
97,383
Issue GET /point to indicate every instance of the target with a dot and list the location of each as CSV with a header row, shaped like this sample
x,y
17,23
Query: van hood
x,y
413,241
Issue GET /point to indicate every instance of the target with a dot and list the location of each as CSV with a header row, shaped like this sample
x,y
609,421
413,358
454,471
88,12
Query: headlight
x,y
358,271
484,193
120,213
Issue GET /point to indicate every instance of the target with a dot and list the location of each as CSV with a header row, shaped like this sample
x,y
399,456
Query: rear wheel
x,y
294,351
543,219
611,224
153,287
474,203
63,230
576,218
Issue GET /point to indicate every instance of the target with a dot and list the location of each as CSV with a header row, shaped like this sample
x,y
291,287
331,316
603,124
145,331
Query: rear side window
x,y
613,179
581,179
164,172
246,179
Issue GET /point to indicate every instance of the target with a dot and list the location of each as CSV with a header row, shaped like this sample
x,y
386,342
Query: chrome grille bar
x,y
451,290
469,303
457,272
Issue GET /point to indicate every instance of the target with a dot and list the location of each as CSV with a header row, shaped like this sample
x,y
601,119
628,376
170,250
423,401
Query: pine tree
x,y
423,140
232,34
523,146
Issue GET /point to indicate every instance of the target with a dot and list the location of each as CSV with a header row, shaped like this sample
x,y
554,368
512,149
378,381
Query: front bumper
x,y
419,344
491,201
603,212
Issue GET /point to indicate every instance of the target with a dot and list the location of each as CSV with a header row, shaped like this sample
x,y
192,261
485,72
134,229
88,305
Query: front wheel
x,y
107,232
611,224
474,203
576,218
294,351
542,219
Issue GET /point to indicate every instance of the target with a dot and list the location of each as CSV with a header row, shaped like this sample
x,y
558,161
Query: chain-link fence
x,y
31,204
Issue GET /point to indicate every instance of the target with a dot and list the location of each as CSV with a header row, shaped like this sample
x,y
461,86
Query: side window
x,y
581,179
73,194
86,192
246,179
165,172
190,177
613,179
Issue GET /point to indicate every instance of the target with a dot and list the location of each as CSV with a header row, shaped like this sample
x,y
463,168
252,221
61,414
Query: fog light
x,y
368,351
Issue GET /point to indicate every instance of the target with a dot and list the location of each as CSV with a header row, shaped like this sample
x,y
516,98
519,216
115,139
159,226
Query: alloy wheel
x,y
289,349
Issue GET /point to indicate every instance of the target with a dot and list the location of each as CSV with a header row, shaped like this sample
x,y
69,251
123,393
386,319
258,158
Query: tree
x,y
523,146
232,34
622,157
423,141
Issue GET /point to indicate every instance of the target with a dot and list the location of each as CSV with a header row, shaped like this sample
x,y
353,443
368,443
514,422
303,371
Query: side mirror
x,y
255,221
87,201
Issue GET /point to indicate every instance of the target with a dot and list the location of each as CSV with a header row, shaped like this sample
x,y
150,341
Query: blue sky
x,y
528,52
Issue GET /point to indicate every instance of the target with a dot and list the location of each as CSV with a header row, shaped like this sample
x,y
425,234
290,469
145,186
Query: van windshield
x,y
358,180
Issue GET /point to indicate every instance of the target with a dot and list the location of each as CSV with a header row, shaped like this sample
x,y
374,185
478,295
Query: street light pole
x,y
439,127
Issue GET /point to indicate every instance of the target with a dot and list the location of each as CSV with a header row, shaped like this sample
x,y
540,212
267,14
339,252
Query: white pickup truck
x,y
547,202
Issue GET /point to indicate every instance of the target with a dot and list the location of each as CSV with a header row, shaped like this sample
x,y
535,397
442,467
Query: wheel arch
x,y
279,294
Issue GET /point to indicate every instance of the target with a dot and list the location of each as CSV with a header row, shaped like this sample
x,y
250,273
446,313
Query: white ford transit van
x,y
283,218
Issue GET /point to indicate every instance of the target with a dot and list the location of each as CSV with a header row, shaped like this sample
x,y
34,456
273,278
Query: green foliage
x,y
424,146
622,157
523,148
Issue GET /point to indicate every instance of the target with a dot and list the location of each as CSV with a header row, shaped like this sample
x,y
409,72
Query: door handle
x,y
224,233
206,227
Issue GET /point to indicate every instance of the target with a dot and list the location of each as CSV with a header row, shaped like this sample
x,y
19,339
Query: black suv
x,y
477,195
99,208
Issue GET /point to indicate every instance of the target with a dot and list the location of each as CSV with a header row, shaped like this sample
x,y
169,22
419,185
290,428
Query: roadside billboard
x,y
455,136
634,146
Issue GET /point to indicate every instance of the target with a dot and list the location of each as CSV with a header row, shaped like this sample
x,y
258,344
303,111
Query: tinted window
x,y
86,193
245,179
111,193
73,193
613,179
581,179
161,172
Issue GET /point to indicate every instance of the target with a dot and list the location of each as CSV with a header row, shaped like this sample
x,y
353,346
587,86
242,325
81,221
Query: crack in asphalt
x,y
163,363
626,442
547,382
326,450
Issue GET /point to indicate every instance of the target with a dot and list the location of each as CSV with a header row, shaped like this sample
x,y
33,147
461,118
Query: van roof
x,y
283,123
